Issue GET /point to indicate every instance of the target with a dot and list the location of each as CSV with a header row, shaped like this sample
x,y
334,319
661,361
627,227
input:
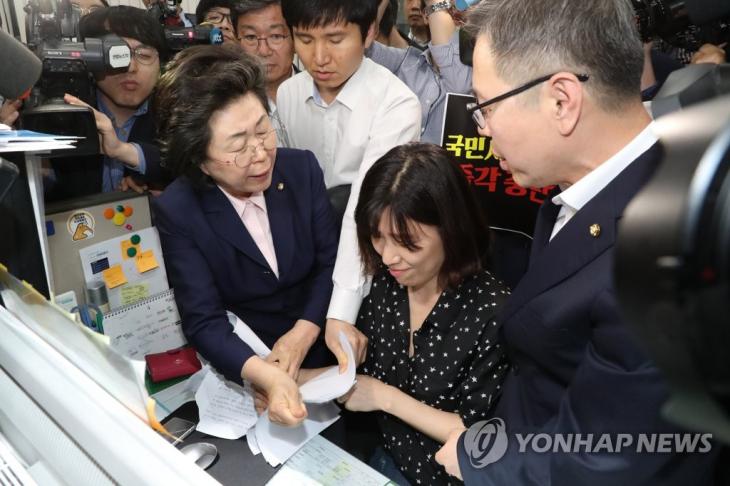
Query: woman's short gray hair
x,y
532,38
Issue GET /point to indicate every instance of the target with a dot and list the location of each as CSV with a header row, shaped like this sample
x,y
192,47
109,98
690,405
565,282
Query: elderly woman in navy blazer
x,y
245,227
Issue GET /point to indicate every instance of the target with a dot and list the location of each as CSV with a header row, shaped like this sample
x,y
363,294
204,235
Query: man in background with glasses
x,y
263,32
129,156
218,13
559,93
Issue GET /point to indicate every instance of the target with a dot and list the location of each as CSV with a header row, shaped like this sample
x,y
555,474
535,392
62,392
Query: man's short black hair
x,y
390,17
244,7
318,13
204,6
126,21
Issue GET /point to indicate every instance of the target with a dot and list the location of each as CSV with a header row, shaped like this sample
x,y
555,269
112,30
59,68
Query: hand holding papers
x,y
331,384
227,410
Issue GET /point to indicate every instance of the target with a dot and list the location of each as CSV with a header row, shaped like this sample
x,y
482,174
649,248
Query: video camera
x,y
672,266
177,36
684,24
68,64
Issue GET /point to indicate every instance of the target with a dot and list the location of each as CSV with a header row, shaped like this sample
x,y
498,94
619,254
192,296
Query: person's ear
x,y
566,98
204,169
371,34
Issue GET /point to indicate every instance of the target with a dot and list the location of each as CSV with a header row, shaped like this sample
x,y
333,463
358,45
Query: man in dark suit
x,y
562,105
130,157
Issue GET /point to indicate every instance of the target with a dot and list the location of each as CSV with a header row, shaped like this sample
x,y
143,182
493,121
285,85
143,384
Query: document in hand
x,y
331,384
227,411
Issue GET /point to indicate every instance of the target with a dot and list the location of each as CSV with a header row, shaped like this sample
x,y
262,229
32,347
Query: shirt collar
x,y
578,195
141,110
350,92
239,205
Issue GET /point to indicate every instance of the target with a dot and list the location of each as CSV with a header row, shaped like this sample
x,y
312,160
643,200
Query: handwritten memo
x,y
149,326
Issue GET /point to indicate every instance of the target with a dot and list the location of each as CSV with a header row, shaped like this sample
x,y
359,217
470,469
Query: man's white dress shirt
x,y
373,113
572,199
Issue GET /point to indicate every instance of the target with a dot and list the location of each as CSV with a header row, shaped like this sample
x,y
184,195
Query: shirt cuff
x,y
345,304
142,167
443,54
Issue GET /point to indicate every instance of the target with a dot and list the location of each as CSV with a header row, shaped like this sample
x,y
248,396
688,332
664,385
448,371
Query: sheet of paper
x,y
134,293
114,277
252,444
248,336
169,399
279,443
331,384
226,409
126,245
146,261
322,463
152,325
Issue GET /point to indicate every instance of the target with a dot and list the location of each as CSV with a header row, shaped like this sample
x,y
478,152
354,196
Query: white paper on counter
x,y
278,443
226,408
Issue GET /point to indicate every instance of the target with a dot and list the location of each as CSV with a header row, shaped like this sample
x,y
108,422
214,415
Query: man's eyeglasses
x,y
217,17
274,41
477,110
244,157
144,54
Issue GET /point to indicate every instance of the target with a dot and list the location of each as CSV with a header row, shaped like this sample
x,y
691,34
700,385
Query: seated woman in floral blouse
x,y
433,363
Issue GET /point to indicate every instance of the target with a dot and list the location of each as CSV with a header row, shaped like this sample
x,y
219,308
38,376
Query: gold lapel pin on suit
x,y
280,186
595,230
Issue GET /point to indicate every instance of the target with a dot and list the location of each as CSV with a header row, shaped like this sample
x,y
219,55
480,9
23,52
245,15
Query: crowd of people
x,y
298,182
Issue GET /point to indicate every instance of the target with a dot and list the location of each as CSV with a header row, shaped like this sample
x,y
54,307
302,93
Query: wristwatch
x,y
438,6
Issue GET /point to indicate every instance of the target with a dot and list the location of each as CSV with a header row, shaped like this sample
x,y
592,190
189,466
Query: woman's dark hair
x,y
126,21
420,182
199,81
306,14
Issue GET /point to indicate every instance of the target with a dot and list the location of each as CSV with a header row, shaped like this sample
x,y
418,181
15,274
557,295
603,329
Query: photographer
x,y
129,157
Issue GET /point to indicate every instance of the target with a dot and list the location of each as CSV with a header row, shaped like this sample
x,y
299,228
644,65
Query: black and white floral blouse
x,y
458,364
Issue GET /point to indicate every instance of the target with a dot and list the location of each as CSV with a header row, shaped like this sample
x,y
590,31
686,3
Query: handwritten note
x,y
146,261
322,463
134,293
226,409
126,245
114,277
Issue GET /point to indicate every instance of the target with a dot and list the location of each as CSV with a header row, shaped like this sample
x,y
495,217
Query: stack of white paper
x,y
227,409
28,141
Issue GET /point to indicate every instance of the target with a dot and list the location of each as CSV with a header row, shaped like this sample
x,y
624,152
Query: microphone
x,y
21,68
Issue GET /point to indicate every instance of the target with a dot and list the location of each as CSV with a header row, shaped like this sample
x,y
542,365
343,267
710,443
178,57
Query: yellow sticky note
x,y
126,245
146,261
114,277
133,293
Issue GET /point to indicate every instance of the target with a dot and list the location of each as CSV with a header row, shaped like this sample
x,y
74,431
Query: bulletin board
x,y
131,266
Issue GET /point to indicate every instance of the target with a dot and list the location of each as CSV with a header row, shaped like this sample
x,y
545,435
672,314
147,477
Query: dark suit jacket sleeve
x,y
203,315
612,375
144,134
325,244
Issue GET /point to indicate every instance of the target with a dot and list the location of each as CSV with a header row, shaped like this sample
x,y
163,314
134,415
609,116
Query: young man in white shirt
x,y
349,111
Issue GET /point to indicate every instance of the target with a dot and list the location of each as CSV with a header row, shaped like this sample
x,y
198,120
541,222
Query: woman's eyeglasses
x,y
245,156
274,41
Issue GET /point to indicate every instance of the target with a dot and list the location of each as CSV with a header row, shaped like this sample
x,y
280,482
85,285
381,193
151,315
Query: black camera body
x,y
684,24
68,66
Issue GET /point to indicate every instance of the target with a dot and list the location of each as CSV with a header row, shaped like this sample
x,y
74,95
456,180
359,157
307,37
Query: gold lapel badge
x,y
595,230
280,186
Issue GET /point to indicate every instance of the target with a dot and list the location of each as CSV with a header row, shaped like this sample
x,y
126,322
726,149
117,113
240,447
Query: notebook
x,y
151,325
